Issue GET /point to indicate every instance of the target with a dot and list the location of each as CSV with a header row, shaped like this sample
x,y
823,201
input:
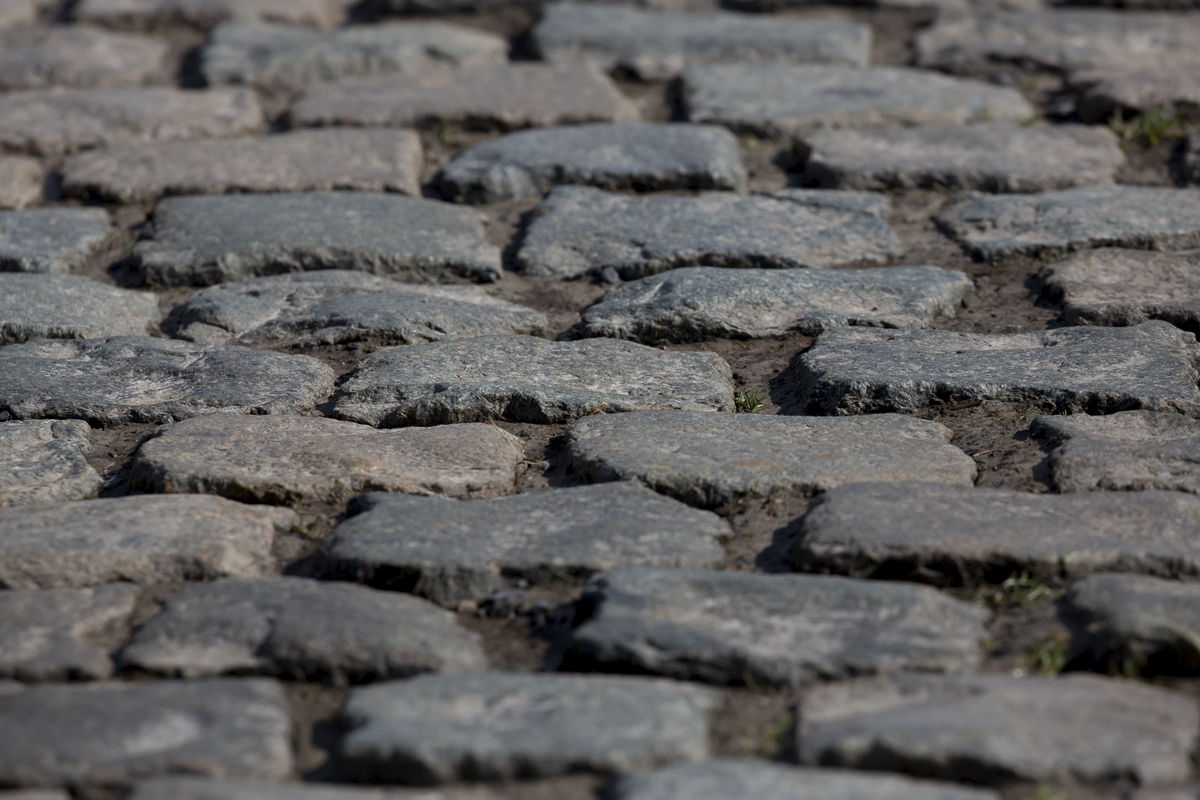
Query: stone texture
x,y
226,789
21,180
44,57
656,45
19,12
438,729
337,306
1118,286
71,307
772,630
707,460
450,552
54,240
1191,159
209,13
578,230
288,460
301,161
59,122
140,379
998,729
1103,92
1098,370
32,794
199,241
142,540
646,156
781,99
116,733
43,462
525,379
698,303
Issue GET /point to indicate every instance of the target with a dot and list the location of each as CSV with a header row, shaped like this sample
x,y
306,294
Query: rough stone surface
x,y
209,13
71,307
43,462
19,12
450,552
141,379
438,729
226,789
780,99
117,733
772,630
646,156
32,794
578,230
142,540
288,460
526,379
1054,223
339,306
707,460
989,156
698,303
1105,91
997,729
44,57
199,241
954,535
300,161
1118,286
21,180
1098,370
59,122
656,45
54,240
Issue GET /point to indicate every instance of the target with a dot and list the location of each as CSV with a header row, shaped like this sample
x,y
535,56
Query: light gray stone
x,y
142,540
71,307
43,461
54,240
525,379
1119,286
199,241
995,729
19,12
337,306
1103,91
21,180
59,122
44,57
288,460
1189,791
205,14
116,733
706,460
371,160
32,794
646,156
698,303
439,729
140,379
1097,370
579,230
450,552
781,99
227,789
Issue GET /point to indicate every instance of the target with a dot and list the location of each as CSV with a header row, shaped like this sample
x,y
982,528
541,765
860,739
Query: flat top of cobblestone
x,y
207,13
1119,286
21,181
232,789
51,240
45,57
44,461
71,307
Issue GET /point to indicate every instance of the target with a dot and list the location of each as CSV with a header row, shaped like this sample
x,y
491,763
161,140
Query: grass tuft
x,y
747,402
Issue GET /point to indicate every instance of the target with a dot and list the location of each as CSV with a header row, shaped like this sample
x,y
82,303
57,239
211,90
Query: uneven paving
x,y
79,57
71,307
43,461
21,180
1119,286
231,789
208,13
58,634
1106,91
53,240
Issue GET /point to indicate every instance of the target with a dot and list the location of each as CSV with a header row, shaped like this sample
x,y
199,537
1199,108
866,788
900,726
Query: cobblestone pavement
x,y
492,400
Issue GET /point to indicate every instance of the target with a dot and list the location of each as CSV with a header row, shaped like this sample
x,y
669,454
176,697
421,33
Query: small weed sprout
x,y
1022,589
1146,129
1046,792
1047,658
747,402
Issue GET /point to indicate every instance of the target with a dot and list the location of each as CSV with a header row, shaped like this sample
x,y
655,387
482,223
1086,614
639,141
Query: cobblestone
x,y
53,240
1118,286
21,180
71,307
50,56
207,13
45,462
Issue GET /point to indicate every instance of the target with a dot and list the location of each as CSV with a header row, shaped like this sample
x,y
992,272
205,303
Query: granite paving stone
x,y
449,552
1103,92
204,14
1188,791
116,733
1098,370
124,379
782,99
646,156
44,461
144,540
229,789
21,180
71,307
289,460
200,241
698,303
19,12
54,240
526,379
1120,286
578,230
371,160
771,630
710,460
43,57
444,728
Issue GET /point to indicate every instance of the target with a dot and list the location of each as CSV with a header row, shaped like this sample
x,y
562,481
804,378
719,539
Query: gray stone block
x,y
439,729
113,734
288,460
781,99
54,240
21,180
996,729
301,161
578,230
1097,370
206,14
199,241
71,307
525,379
709,459
227,789
43,462
450,552
646,156
19,12
1104,91
698,303
45,57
